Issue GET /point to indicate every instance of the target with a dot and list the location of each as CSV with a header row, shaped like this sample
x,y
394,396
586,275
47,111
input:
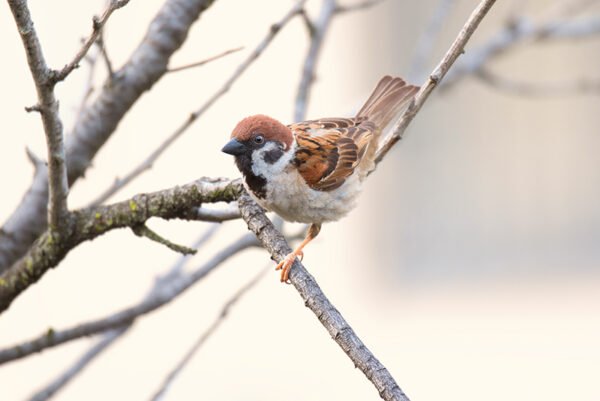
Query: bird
x,y
312,171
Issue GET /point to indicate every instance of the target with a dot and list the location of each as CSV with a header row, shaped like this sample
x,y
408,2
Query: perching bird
x,y
311,171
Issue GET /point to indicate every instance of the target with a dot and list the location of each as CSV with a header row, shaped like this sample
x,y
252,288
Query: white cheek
x,y
261,168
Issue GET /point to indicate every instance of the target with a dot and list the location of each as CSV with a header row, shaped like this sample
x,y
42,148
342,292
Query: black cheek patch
x,y
273,155
257,184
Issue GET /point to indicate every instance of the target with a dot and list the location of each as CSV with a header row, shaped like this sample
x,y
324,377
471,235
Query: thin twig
x,y
203,213
163,295
84,360
149,161
44,79
142,230
317,30
586,86
361,5
205,61
108,338
427,40
107,62
97,25
456,49
168,381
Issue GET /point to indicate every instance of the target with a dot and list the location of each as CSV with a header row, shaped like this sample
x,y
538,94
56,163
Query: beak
x,y
234,148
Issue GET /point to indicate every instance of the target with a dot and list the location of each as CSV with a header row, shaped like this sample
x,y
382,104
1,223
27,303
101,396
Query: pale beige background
x,y
470,267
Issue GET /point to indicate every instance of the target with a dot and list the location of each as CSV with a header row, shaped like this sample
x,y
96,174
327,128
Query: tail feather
x,y
389,97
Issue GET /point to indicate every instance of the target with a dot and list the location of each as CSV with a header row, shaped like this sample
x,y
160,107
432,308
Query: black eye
x,y
259,139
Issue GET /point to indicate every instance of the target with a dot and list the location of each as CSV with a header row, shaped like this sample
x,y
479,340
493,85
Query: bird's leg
x,y
286,264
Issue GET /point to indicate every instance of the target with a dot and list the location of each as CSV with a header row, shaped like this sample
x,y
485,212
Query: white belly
x,y
289,196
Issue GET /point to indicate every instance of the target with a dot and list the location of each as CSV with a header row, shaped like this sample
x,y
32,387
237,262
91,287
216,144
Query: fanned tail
x,y
389,97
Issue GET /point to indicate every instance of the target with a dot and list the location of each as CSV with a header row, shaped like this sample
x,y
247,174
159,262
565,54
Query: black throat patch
x,y
273,155
256,183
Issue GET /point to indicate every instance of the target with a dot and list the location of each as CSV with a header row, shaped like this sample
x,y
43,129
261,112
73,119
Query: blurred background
x,y
470,267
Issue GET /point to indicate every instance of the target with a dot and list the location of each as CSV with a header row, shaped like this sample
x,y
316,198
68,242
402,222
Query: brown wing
x,y
330,149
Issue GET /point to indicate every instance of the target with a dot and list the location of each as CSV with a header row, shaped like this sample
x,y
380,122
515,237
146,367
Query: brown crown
x,y
266,126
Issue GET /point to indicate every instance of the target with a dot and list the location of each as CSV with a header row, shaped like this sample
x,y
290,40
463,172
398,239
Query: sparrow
x,y
312,171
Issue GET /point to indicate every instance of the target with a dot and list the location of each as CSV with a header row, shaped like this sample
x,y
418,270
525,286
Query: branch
x,y
519,31
317,302
232,212
147,64
206,335
361,5
205,61
317,31
160,296
64,378
149,161
142,230
456,49
97,25
534,89
89,223
45,80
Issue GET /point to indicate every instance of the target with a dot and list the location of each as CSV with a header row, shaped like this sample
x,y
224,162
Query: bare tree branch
x,y
427,40
205,61
45,80
361,5
317,302
232,212
142,230
206,335
146,66
109,337
580,86
520,31
85,224
456,49
64,378
161,295
317,30
149,161
98,24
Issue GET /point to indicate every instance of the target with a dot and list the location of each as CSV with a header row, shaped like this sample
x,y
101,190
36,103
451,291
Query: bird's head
x,y
258,144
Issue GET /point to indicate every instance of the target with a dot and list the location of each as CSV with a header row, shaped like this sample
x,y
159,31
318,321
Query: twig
x,y
97,25
535,89
142,230
317,30
361,5
436,76
205,61
206,335
45,80
203,213
149,161
427,40
64,378
109,337
163,294
107,62
89,223
317,302
520,31
96,124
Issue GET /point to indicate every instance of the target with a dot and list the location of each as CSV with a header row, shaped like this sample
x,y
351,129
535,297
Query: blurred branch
x,y
89,223
205,61
163,293
206,335
232,212
149,161
109,337
361,5
521,30
318,30
537,89
456,49
427,40
64,378
142,230
99,120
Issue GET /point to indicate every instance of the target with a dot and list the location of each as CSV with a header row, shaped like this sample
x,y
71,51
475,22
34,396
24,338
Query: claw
x,y
285,266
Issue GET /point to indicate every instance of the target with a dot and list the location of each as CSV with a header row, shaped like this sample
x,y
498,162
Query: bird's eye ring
x,y
259,139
